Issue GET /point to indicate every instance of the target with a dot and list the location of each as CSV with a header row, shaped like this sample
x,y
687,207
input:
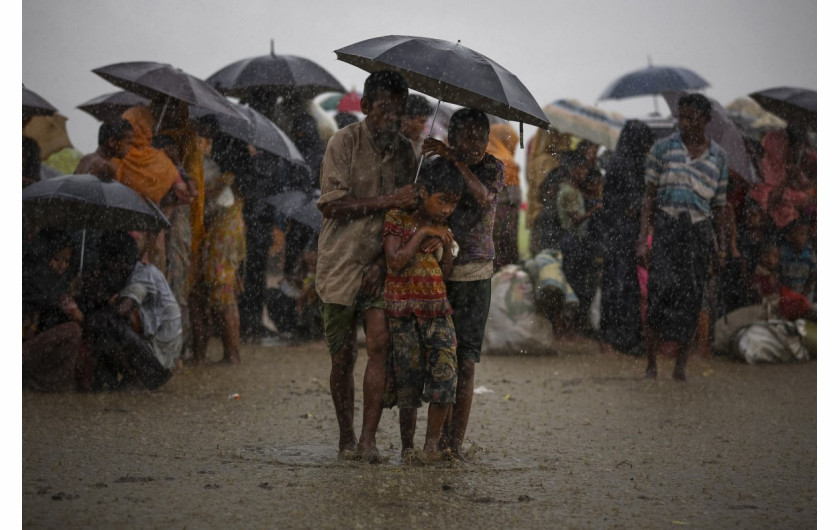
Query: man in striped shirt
x,y
686,178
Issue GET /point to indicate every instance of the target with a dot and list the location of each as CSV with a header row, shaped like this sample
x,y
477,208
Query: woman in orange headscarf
x,y
146,170
149,172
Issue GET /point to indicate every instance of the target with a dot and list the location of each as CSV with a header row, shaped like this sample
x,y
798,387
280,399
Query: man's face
x,y
691,121
384,114
120,147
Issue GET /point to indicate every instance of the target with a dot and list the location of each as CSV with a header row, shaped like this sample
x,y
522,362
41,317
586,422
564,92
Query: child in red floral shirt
x,y
423,341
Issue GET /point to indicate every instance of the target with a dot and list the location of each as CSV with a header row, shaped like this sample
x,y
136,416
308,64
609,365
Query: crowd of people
x,y
210,265
671,236
661,236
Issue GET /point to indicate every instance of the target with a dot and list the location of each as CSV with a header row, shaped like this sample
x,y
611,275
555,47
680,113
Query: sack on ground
x,y
513,325
774,341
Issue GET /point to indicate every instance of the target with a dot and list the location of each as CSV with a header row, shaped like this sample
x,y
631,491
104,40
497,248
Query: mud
x,y
576,440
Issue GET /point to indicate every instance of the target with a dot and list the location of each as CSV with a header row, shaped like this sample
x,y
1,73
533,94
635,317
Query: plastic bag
x,y
774,341
513,325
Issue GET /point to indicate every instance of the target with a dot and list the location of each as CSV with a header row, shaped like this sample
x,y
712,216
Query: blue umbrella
x,y
653,80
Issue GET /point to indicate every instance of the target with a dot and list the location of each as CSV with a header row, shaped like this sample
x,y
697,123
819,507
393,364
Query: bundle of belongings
x,y
526,304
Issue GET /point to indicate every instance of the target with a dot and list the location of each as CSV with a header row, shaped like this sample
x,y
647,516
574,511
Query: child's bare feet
x,y
371,455
455,454
347,454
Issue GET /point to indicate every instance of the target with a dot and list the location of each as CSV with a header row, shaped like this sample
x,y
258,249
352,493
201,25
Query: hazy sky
x,y
558,49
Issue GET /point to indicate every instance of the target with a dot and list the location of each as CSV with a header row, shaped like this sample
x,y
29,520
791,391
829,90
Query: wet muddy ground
x,y
571,441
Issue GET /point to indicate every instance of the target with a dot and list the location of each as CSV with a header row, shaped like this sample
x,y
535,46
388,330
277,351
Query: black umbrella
x,y
85,201
279,74
79,202
35,105
300,206
153,80
112,105
449,72
794,105
253,128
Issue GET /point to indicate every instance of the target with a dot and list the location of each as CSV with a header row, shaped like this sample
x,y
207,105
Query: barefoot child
x,y
468,287
422,334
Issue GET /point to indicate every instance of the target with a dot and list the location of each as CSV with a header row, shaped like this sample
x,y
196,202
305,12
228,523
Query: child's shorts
x,y
422,361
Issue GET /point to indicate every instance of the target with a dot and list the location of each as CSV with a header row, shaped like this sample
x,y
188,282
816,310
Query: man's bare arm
x,y
352,207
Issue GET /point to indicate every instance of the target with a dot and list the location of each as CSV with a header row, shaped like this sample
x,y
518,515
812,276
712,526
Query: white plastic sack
x,y
513,325
774,341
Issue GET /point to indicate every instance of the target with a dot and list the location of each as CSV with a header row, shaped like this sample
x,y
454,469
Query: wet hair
x,y
439,175
796,223
583,145
464,117
767,247
636,139
699,102
796,135
49,242
162,141
115,245
113,129
343,119
231,154
384,81
417,105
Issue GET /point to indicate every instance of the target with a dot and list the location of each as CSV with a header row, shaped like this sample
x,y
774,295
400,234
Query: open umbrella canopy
x,y
794,105
653,80
50,132
84,201
297,205
449,72
584,121
35,105
253,128
723,130
156,80
283,74
112,105
342,102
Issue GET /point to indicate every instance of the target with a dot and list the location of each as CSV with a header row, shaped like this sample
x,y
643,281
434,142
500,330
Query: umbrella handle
x,y
423,157
82,259
162,114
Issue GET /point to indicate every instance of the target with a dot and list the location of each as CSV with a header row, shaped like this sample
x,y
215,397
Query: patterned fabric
x,y
684,184
796,267
418,289
472,224
223,249
422,362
